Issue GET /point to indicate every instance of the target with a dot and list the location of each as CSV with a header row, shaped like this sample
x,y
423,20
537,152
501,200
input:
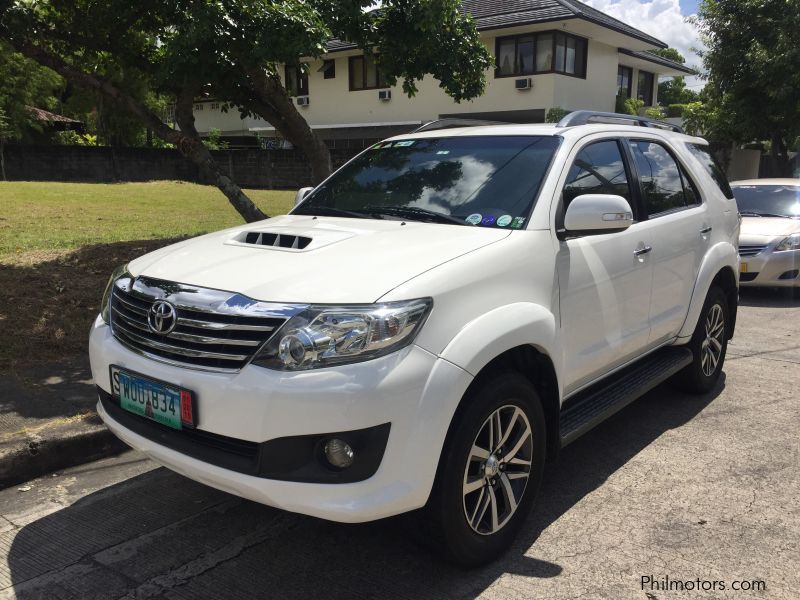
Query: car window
x,y
491,181
598,169
659,177
702,154
768,200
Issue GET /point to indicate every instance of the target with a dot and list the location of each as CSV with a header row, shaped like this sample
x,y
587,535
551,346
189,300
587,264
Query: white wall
x,y
599,90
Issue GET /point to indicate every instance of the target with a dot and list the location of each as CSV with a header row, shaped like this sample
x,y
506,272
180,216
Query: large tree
x,y
753,64
23,85
234,48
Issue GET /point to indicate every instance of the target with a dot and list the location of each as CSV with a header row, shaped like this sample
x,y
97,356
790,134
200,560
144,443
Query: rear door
x,y
604,283
680,233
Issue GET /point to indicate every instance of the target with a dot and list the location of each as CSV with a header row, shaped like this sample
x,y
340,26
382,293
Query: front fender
x,y
719,256
502,329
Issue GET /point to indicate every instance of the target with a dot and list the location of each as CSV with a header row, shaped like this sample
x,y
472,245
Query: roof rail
x,y
451,123
583,117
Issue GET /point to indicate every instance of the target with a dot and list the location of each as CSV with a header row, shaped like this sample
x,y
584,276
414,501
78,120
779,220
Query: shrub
x,y
654,112
555,114
675,110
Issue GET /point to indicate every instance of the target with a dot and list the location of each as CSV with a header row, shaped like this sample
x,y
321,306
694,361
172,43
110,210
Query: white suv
x,y
429,325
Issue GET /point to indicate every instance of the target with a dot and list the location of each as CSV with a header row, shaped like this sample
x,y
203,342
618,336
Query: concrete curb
x,y
31,454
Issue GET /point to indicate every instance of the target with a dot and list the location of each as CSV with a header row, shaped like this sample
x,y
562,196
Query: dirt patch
x,y
48,300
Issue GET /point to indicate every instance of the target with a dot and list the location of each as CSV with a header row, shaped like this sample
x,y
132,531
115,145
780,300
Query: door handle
x,y
643,250
706,230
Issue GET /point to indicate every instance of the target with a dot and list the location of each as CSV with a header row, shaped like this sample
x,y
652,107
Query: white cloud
x,y
660,18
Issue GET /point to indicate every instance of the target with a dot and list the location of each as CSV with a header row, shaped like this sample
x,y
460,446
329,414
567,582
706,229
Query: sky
x,y
664,20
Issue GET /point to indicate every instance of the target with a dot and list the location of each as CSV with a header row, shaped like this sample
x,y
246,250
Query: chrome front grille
x,y
750,250
213,330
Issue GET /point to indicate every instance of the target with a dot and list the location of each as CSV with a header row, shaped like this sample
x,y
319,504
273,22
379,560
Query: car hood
x,y
762,228
345,261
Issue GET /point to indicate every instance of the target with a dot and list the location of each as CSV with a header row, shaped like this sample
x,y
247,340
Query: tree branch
x,y
187,141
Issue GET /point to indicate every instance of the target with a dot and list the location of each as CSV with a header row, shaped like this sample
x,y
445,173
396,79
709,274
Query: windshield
x,y
491,181
768,200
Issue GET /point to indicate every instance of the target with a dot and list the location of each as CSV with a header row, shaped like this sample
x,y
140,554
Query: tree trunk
x,y
275,106
190,146
194,148
3,159
780,156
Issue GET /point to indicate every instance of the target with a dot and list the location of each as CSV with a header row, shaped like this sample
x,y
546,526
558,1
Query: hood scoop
x,y
279,241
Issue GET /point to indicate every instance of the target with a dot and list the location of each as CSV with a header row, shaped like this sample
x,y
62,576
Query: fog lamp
x,y
339,453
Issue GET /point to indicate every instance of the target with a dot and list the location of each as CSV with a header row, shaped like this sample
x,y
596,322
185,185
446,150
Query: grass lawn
x,y
48,216
60,241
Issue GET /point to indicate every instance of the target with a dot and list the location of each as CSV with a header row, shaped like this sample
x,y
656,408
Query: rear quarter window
x,y
704,156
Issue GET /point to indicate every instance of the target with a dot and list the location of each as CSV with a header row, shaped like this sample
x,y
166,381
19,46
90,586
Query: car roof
x,y
550,129
766,181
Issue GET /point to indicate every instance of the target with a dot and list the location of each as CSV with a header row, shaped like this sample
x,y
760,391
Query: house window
x,y
625,81
198,107
541,53
644,89
215,106
364,74
296,80
328,69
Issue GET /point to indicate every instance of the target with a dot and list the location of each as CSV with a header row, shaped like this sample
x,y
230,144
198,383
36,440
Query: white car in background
x,y
769,242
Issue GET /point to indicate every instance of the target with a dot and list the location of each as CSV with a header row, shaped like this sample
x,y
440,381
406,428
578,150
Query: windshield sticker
x,y
503,221
474,218
404,143
517,222
488,220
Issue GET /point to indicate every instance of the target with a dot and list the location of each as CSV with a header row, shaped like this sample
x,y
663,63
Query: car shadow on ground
x,y
769,297
230,548
47,304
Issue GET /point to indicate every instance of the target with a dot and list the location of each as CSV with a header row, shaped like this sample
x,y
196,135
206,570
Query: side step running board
x,y
597,403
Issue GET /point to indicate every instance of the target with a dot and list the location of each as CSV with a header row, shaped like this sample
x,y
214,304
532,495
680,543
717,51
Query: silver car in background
x,y
769,243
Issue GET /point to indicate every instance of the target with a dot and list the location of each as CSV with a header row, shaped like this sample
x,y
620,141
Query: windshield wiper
x,y
763,214
413,212
330,211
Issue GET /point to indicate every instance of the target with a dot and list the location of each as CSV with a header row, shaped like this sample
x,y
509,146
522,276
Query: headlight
x,y
323,336
790,243
105,304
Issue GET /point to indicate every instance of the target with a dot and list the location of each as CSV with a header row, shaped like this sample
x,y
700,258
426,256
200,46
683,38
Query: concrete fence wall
x,y
279,169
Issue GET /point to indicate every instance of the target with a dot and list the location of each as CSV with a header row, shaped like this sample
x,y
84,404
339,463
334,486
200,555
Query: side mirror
x,y
598,213
301,194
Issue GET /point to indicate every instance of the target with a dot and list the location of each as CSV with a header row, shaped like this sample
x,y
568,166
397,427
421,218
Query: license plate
x,y
163,403
743,268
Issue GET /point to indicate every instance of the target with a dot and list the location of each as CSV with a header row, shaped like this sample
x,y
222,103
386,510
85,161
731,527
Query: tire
x,y
709,344
451,521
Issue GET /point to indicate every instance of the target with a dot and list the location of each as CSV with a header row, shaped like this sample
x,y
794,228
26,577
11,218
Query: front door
x,y
604,280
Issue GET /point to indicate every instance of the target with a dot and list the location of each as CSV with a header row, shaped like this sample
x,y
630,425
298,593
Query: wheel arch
x,y
536,366
718,268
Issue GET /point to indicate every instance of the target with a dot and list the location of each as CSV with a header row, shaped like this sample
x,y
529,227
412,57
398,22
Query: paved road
x,y
673,486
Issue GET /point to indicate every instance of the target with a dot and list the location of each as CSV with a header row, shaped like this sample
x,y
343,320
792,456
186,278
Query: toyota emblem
x,y
162,317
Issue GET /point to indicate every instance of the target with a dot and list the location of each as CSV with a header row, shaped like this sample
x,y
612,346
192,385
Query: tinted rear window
x,y
703,154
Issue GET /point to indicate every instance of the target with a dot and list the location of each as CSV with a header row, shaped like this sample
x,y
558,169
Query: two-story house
x,y
548,53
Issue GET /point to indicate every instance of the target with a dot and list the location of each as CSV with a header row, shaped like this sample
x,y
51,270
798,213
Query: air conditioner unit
x,y
523,84
385,95
303,101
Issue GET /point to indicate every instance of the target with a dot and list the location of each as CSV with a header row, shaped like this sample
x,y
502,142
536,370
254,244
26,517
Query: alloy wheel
x,y
711,347
497,470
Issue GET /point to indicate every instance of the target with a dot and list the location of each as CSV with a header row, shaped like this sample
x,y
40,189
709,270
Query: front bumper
x,y
771,269
412,390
